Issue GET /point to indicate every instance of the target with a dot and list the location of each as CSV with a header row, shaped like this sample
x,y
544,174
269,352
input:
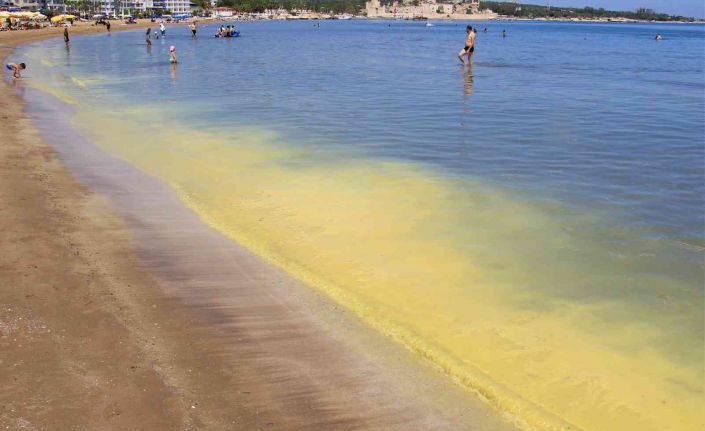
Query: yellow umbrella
x,y
58,18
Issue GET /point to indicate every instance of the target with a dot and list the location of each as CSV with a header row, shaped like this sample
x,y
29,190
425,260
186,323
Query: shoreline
x,y
201,345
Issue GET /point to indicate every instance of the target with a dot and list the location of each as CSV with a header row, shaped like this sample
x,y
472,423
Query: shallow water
x,y
533,225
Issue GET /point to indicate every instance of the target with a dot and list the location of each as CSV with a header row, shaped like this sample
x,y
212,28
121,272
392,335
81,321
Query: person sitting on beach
x,y
172,58
15,68
469,45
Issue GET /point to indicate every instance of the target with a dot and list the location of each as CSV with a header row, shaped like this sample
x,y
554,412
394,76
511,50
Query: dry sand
x,y
118,317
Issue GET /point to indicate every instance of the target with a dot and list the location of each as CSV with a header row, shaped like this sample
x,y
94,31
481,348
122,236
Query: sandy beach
x,y
122,310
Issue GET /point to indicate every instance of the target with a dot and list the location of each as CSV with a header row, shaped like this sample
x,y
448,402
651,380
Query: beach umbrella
x,y
59,18
4,14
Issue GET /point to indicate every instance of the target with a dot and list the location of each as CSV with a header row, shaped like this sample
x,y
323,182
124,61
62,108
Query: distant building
x,y
457,9
109,7
179,7
27,4
223,12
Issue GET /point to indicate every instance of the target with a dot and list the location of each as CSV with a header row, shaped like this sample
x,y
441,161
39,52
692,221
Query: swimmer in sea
x,y
66,35
148,36
193,29
658,36
504,33
172,58
15,68
469,46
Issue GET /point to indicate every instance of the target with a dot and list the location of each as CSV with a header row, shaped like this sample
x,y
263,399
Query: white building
x,y
112,7
178,6
223,12
453,9
27,4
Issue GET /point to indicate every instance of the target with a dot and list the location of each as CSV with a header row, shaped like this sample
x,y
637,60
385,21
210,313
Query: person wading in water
x,y
469,46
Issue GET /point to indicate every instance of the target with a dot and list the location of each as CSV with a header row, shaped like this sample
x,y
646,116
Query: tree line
x,y
335,6
543,11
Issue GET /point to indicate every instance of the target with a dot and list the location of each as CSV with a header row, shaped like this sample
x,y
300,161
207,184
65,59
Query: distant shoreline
x,y
598,20
510,18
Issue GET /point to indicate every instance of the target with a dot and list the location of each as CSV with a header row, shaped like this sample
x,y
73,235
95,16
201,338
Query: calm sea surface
x,y
535,223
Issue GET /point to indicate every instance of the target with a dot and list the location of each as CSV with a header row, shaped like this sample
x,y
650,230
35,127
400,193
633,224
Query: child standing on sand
x,y
15,68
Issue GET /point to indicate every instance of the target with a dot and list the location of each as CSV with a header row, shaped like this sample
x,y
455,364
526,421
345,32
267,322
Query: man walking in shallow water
x,y
469,46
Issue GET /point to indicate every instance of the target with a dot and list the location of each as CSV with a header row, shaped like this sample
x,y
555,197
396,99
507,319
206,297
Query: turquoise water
x,y
534,224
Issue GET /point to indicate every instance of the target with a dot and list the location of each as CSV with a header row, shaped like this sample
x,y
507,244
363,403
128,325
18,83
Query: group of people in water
x,y
227,31
230,31
162,32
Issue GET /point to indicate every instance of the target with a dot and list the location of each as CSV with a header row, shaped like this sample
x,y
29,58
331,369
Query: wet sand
x,y
120,309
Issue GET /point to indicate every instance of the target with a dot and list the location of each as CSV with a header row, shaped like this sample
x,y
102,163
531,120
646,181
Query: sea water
x,y
534,224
